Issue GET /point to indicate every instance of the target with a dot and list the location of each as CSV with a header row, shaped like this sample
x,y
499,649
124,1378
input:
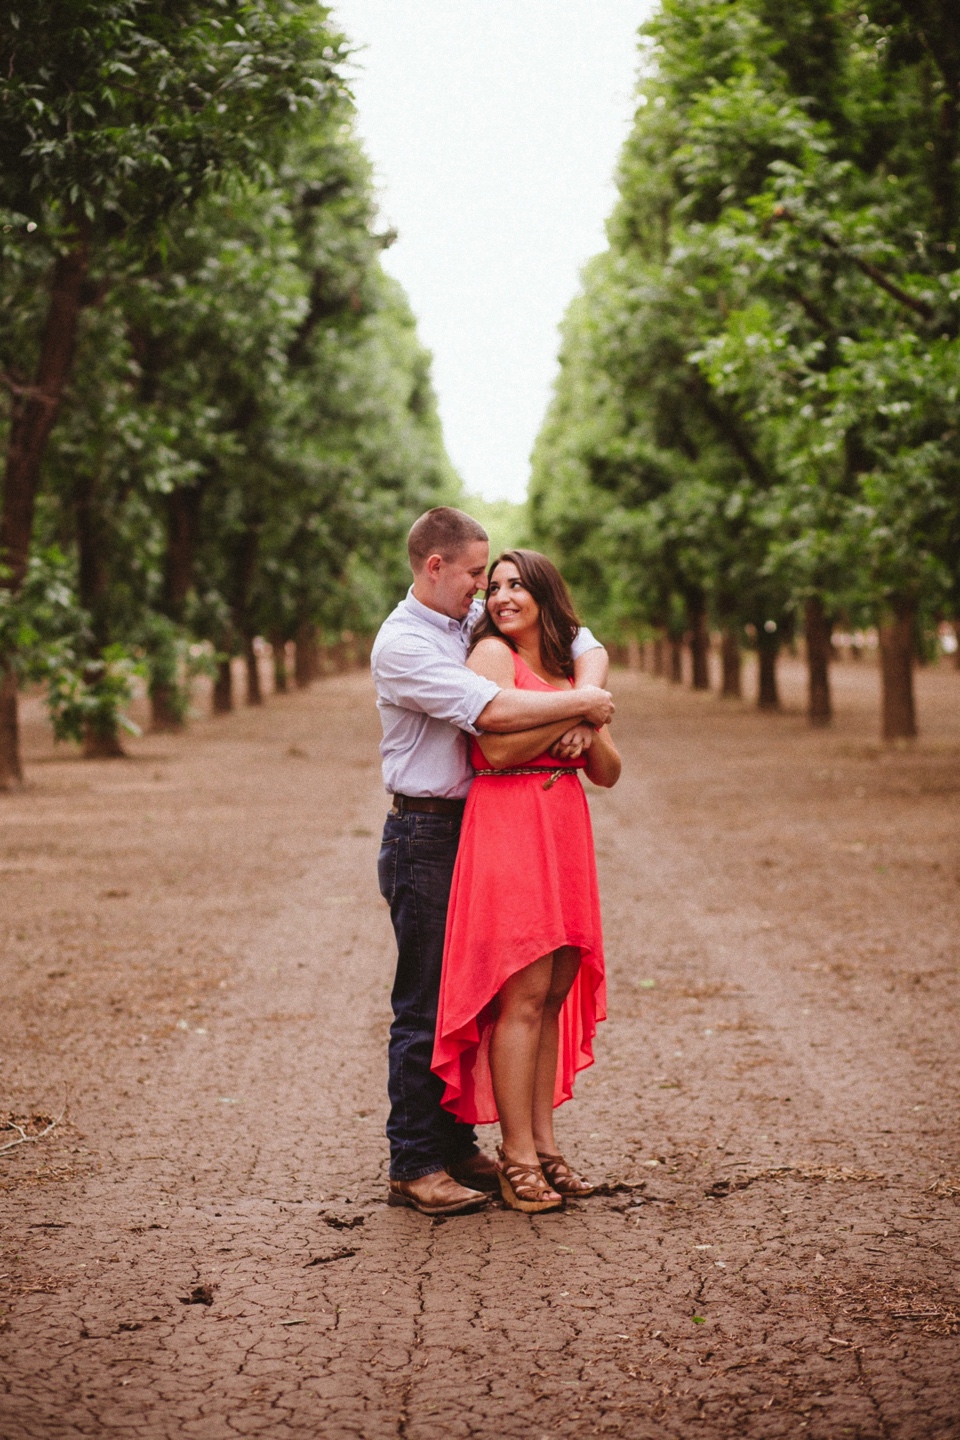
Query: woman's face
x,y
509,604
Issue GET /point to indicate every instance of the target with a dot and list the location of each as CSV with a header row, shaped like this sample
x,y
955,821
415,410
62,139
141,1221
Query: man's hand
x,y
595,705
574,743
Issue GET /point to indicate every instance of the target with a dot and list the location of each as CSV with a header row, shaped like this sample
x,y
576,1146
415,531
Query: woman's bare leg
x,y
566,963
513,1055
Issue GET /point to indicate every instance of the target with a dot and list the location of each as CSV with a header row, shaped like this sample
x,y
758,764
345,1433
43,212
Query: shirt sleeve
x,y
583,641
410,673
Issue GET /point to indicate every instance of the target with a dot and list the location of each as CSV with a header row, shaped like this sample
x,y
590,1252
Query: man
x,y
427,699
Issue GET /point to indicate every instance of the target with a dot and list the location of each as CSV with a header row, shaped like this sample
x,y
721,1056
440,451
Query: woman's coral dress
x,y
525,883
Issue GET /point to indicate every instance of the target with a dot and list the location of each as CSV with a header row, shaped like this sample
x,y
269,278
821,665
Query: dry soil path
x,y
195,957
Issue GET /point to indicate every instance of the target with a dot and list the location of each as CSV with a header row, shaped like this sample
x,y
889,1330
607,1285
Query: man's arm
x,y
413,674
512,710
410,673
523,709
591,668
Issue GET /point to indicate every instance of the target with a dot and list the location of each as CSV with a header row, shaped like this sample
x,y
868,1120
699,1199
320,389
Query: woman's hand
x,y
574,743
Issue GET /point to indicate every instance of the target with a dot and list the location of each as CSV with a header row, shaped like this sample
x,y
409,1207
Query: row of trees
x,y
755,421
218,420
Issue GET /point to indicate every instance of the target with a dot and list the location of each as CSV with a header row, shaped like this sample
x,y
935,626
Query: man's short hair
x,y
442,531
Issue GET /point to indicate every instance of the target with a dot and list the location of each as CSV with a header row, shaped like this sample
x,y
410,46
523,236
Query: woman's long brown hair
x,y
558,619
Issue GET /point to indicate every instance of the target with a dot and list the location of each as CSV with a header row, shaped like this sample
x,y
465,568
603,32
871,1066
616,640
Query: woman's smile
x,y
510,604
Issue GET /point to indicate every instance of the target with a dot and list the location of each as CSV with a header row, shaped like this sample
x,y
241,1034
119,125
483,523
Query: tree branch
x,y
919,307
727,427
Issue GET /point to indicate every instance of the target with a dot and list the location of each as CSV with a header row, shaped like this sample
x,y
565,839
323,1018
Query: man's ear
x,y
432,566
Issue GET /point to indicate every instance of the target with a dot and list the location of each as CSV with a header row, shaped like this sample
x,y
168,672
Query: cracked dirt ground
x,y
195,956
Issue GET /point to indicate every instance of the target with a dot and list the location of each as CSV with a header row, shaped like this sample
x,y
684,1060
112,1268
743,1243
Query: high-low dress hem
x,y
524,885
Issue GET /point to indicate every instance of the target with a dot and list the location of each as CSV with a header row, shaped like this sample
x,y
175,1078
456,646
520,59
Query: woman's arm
x,y
503,751
603,760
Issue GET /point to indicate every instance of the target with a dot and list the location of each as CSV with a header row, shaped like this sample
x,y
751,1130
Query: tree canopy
x,y
755,416
218,419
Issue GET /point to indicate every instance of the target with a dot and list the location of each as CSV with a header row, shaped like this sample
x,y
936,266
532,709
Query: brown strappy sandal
x,y
524,1188
564,1180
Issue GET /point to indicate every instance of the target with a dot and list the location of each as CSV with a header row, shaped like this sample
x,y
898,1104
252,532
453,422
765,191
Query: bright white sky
x,y
494,127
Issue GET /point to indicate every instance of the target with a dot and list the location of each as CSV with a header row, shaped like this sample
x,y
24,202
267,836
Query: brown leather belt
x,y
427,805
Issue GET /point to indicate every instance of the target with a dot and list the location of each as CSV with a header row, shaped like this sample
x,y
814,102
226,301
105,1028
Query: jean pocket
x,y
433,849
387,868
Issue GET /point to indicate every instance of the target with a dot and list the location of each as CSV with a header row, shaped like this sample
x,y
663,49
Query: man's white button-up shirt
x,y
428,700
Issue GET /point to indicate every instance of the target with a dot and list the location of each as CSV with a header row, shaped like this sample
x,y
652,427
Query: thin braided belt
x,y
552,776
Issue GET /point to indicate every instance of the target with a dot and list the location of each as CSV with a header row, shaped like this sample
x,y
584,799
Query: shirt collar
x,y
434,617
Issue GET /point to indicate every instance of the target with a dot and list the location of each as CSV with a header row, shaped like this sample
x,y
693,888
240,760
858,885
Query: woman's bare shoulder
x,y
493,658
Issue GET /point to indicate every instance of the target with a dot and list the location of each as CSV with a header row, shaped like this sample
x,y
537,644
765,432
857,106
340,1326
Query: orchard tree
x,y
114,115
781,279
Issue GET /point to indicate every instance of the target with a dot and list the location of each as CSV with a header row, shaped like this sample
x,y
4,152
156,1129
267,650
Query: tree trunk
x,y
818,628
254,692
699,639
280,681
658,667
896,668
183,513
956,653
11,772
732,686
344,653
102,742
166,716
101,739
676,661
306,655
223,688
35,405
244,566
33,411
167,708
768,647
93,581
635,656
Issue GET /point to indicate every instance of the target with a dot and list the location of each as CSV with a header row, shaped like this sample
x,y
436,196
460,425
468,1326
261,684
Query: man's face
x,y
458,580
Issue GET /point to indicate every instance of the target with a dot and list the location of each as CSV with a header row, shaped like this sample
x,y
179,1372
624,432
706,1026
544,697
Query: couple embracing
x,y
490,708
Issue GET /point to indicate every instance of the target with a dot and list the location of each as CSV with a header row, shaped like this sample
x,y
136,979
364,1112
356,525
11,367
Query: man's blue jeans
x,y
415,870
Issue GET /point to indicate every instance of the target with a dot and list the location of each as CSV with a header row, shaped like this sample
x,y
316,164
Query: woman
x,y
523,980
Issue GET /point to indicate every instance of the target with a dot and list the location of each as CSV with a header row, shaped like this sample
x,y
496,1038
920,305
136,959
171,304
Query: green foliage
x,y
42,620
758,384
87,696
505,521
50,635
249,426
119,110
173,660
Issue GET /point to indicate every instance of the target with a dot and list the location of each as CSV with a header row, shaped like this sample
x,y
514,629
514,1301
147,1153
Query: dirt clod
x,y
342,1254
